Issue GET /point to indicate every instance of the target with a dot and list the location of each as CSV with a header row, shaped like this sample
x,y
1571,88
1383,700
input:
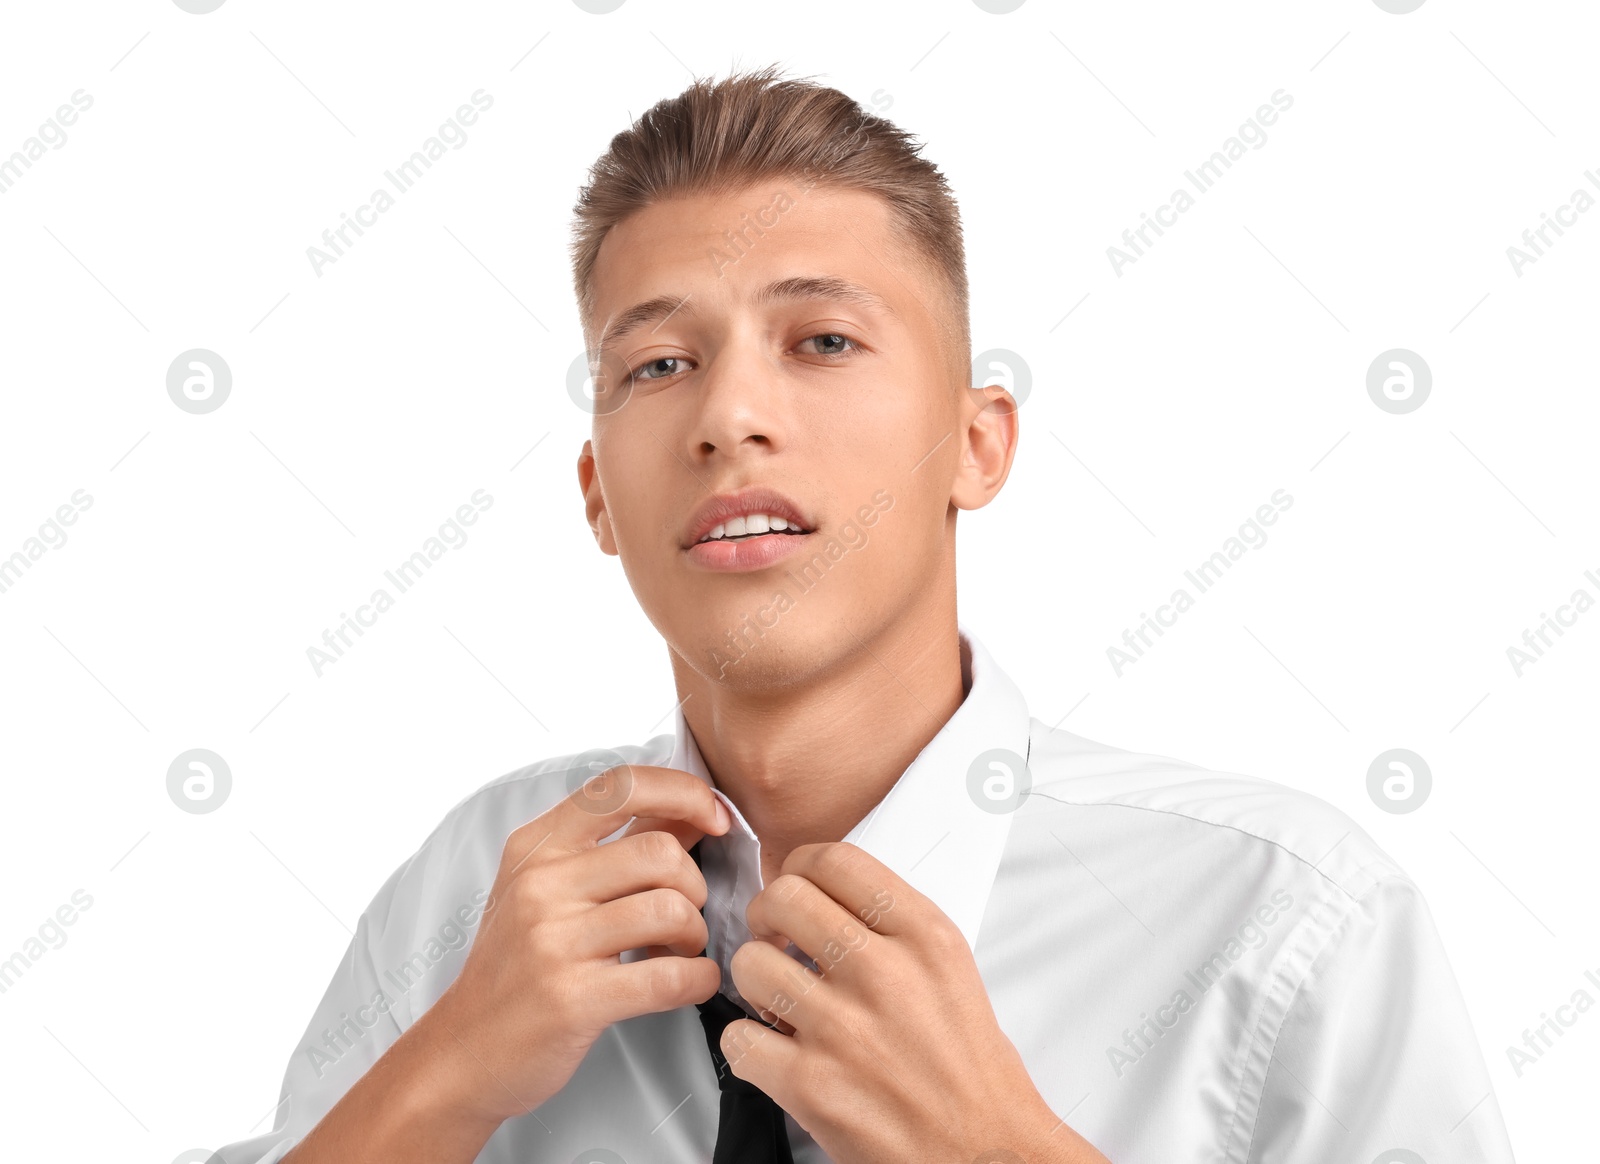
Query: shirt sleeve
x,y
350,1030
1376,1058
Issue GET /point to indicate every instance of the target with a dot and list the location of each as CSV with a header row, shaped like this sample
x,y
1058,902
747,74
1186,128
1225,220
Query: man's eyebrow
x,y
656,310
795,288
824,287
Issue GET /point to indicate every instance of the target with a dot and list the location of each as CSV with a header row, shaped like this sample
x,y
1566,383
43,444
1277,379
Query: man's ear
x,y
594,502
988,444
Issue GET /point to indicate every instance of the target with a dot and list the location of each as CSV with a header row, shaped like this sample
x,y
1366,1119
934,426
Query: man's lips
x,y
723,508
740,555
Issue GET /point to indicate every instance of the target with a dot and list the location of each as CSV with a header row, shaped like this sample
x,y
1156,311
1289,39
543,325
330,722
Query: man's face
x,y
810,356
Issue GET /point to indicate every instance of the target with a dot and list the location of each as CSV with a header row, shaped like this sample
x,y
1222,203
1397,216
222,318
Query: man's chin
x,y
745,653
775,642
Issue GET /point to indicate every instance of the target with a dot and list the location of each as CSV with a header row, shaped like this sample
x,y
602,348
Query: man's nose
x,y
739,401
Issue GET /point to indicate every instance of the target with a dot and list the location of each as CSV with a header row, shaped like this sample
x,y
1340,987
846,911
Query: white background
x,y
369,402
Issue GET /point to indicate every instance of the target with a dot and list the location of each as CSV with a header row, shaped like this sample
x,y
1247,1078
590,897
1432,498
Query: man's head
x,y
755,130
773,295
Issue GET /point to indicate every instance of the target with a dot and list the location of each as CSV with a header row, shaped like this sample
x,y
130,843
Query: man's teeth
x,y
753,523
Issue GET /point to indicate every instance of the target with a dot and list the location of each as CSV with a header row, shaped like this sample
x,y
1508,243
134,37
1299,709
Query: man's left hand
x,y
890,1050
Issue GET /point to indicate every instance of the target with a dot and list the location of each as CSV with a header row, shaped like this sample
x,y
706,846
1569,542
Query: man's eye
x,y
832,344
825,344
653,370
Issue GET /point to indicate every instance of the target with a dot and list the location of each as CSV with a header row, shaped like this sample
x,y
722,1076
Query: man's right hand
x,y
544,977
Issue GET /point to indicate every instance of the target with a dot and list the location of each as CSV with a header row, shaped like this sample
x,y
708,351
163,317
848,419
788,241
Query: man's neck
x,y
807,763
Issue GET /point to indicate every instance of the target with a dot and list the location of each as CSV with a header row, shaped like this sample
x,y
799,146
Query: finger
x,y
648,796
762,1056
607,801
778,987
632,864
792,906
688,835
662,917
782,1024
862,885
651,985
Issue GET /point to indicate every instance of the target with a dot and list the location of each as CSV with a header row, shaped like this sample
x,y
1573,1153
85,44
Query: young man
x,y
934,929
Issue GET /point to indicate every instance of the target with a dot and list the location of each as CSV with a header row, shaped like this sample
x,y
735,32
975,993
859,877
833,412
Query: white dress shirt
x,y
1195,966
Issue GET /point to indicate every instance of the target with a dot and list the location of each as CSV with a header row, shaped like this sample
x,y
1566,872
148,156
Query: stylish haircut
x,y
721,136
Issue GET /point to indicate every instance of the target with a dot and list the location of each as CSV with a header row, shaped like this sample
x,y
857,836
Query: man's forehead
x,y
706,238
767,205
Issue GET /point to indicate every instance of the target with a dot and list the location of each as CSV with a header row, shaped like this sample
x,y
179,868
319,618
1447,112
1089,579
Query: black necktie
x,y
750,1128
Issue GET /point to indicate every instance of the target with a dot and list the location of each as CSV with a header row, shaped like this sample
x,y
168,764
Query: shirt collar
x,y
928,828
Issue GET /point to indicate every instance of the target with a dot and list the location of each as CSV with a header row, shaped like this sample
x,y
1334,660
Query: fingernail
x,y
723,818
